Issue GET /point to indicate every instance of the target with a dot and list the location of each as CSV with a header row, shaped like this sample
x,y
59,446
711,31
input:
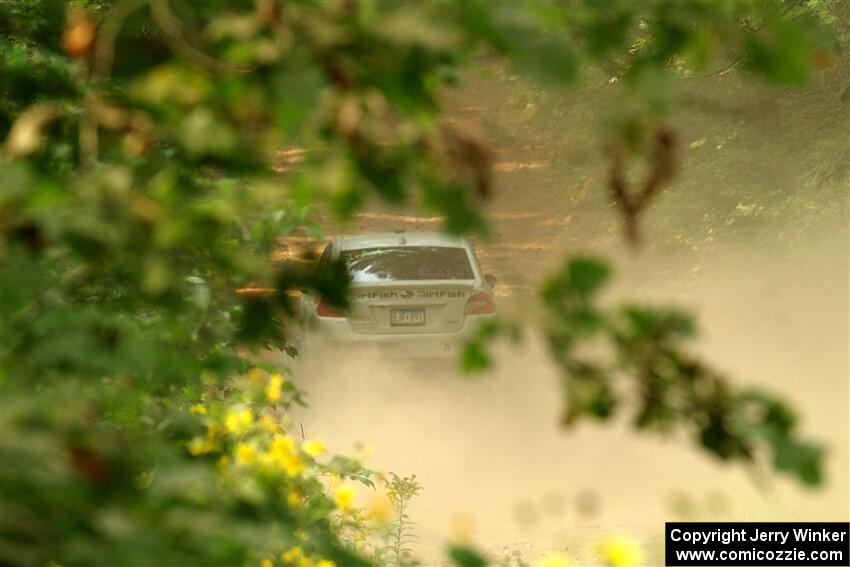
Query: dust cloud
x,y
759,257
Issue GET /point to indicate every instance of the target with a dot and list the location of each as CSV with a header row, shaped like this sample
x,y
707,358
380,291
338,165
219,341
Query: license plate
x,y
407,317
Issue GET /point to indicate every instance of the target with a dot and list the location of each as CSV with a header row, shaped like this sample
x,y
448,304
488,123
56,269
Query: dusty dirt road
x,y
753,238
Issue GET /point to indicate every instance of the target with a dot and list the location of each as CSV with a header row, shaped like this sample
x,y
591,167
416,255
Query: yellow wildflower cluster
x,y
239,421
245,454
269,424
295,500
201,446
266,445
621,551
313,447
296,558
344,497
283,455
273,387
249,435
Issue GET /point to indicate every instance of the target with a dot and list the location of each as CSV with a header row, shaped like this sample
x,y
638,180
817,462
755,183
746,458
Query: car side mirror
x,y
491,280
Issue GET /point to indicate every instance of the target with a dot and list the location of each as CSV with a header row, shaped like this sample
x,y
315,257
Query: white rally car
x,y
411,295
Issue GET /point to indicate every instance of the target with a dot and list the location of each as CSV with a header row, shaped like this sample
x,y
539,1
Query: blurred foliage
x,y
222,478
154,153
636,356
476,356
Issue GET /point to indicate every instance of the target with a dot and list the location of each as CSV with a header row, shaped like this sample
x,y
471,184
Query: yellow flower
x,y
295,499
325,563
295,556
344,497
268,423
313,447
621,551
239,421
282,454
266,563
282,445
245,454
554,560
293,465
273,387
199,409
256,374
201,446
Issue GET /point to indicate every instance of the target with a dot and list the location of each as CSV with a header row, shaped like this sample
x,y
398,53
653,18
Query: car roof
x,y
400,239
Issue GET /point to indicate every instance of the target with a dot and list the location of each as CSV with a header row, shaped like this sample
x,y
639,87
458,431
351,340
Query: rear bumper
x,y
330,335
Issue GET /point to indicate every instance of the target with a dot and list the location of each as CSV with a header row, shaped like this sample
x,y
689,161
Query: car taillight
x,y
323,309
480,304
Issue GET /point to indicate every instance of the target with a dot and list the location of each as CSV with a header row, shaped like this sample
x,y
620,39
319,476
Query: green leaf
x,y
781,53
466,557
803,460
587,275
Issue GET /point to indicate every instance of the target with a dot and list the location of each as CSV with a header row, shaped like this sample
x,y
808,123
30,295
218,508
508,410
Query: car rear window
x,y
408,263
